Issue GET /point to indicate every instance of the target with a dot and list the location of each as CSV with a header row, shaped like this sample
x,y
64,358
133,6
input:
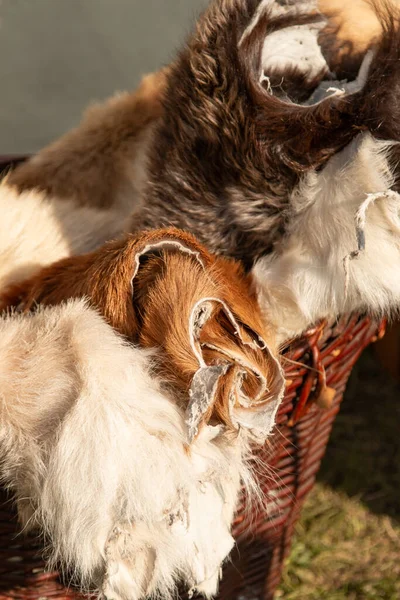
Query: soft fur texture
x,y
35,231
101,163
246,128
222,152
247,157
233,145
306,275
96,455
78,193
352,28
89,424
258,171
198,310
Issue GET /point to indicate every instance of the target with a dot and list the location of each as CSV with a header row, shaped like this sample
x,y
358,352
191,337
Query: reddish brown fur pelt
x,y
92,164
153,308
104,276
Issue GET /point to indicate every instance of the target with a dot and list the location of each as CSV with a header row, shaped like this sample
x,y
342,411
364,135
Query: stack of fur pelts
x,y
136,374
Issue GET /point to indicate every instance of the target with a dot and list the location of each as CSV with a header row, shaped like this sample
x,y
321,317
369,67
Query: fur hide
x,y
252,117
87,415
236,140
319,271
260,154
163,290
95,452
79,192
36,231
268,159
258,150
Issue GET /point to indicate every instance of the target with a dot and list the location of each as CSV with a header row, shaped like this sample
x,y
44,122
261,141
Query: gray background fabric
x,y
56,56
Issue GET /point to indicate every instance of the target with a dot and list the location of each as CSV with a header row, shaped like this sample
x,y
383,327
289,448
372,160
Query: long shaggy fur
x,y
305,278
249,159
90,423
231,149
86,438
245,128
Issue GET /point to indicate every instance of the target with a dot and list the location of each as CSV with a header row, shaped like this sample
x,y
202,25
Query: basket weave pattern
x,y
294,455
326,354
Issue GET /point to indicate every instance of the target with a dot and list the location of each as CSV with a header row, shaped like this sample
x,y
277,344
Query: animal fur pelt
x,y
237,136
268,159
36,230
327,264
163,290
95,452
79,192
90,422
251,147
259,141
221,390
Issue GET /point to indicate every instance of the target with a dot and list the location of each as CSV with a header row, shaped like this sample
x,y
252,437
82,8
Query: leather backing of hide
x,y
163,290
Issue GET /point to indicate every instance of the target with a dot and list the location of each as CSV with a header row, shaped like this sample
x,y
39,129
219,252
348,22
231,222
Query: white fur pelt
x,y
95,453
317,271
36,231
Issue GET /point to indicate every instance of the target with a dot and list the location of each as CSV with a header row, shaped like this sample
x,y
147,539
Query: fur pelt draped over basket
x,y
292,454
269,144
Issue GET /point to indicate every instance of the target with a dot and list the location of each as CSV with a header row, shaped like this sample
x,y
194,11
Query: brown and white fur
x,y
251,149
79,192
264,175
235,141
240,158
198,310
97,423
94,451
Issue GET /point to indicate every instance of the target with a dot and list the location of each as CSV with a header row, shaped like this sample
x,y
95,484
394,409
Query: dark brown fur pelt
x,y
228,153
155,289
93,164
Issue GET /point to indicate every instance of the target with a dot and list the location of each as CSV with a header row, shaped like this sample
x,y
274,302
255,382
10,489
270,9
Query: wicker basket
x,y
325,355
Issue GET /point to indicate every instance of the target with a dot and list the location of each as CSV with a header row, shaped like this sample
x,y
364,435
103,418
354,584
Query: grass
x,y
342,551
347,544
